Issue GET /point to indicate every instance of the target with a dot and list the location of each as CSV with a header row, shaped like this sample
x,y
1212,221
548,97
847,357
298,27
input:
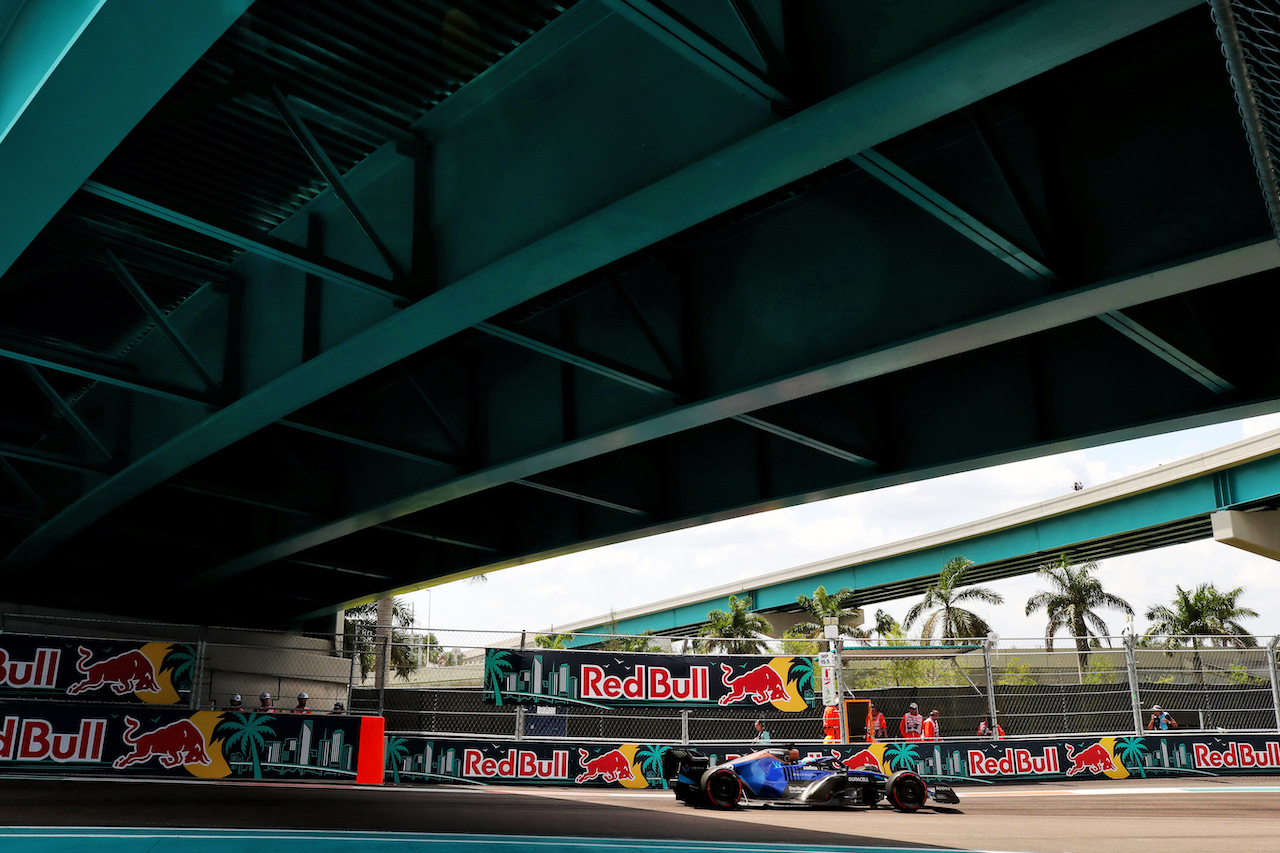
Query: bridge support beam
x,y
1256,532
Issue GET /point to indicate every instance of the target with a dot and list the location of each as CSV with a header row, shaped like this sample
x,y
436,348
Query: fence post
x,y
684,717
519,722
197,681
1275,680
351,679
384,653
1131,664
991,682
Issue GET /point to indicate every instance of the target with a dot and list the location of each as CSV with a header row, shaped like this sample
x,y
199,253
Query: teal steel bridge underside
x,y
1173,512
303,302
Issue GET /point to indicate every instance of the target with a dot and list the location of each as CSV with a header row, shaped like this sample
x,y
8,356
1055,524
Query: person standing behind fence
x,y
235,704
986,732
762,734
302,705
912,725
264,704
931,728
1161,719
877,729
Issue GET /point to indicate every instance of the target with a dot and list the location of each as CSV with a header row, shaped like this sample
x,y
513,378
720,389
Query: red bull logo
x,y
646,684
518,764
129,672
41,672
865,758
762,684
1240,755
1095,759
613,766
174,744
35,740
1015,762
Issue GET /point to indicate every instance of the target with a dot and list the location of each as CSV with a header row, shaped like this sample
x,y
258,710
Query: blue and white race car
x,y
777,778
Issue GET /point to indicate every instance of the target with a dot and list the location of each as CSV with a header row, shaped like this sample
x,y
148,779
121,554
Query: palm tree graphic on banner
x,y
397,749
181,659
1131,751
496,665
801,673
901,756
245,733
651,762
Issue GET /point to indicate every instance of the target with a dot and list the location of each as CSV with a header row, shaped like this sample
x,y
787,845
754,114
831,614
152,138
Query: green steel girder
x,y
80,74
866,114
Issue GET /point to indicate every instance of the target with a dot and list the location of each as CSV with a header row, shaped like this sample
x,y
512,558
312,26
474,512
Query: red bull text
x,y
35,740
761,684
519,764
613,766
652,683
1240,755
865,758
1014,762
41,672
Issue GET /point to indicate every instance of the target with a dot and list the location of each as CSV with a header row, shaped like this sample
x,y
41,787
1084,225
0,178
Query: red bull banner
x,y
59,668
639,765
106,740
619,679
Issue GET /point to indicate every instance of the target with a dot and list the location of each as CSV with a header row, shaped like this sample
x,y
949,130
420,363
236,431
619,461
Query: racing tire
x,y
722,787
906,791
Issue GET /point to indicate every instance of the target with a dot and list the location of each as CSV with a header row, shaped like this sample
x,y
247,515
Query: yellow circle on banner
x,y
1119,771
794,701
217,767
168,695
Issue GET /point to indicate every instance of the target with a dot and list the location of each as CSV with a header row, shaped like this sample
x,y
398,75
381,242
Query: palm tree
x,y
945,595
650,758
1076,592
838,605
885,625
182,660
397,749
245,732
1206,612
901,756
1132,750
496,665
801,673
360,637
552,641
736,632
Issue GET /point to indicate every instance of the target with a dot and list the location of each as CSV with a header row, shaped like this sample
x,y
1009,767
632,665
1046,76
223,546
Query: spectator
x,y
338,708
930,728
1161,719
986,732
912,724
878,729
830,724
302,705
264,704
235,705
762,734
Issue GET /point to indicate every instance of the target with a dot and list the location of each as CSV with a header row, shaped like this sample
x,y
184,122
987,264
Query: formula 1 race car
x,y
773,778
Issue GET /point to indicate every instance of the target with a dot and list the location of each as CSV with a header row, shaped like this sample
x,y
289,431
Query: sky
x,y
592,583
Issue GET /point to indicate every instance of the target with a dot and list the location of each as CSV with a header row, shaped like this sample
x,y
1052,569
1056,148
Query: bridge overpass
x,y
1230,494
306,302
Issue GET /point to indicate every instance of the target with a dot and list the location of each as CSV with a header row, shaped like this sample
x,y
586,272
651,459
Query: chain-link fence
x,y
432,680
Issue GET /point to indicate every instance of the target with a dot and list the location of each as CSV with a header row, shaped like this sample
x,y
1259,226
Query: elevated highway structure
x,y
1231,494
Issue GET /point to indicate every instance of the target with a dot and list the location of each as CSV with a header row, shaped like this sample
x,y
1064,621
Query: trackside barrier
x,y
108,740
412,759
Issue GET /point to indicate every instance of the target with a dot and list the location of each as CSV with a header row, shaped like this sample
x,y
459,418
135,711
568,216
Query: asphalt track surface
x,y
1241,815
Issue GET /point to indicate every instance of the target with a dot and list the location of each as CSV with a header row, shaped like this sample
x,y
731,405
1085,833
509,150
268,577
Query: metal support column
x,y
519,722
1275,679
684,724
987,645
1131,664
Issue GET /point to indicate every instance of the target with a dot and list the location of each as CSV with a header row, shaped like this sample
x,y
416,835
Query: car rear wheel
x,y
906,791
723,787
